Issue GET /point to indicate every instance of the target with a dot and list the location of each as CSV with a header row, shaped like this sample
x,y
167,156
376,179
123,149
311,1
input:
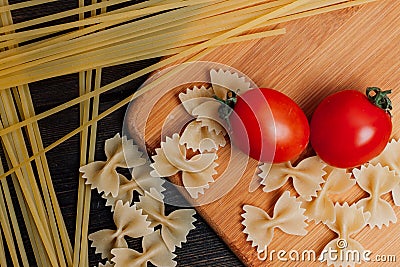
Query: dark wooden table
x,y
204,248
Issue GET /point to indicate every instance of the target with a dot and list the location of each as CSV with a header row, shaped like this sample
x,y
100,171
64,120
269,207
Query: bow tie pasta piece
x,y
196,182
125,192
307,176
199,102
197,172
321,208
222,81
103,175
108,264
208,114
391,157
194,97
348,221
396,195
213,125
145,181
175,153
259,226
154,251
174,227
199,137
141,182
376,181
129,221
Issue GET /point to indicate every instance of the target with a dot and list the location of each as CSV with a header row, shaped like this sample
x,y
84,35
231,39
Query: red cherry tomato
x,y
269,126
348,129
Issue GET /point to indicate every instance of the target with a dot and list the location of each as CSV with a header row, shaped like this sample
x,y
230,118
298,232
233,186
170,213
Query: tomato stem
x,y
226,108
380,98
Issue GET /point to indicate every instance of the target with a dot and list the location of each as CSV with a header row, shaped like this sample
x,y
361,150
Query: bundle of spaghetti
x,y
87,148
9,225
144,39
131,31
35,192
41,210
181,29
106,20
81,31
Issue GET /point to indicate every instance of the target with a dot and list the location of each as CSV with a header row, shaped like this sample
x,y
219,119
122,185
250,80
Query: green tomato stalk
x,y
226,108
380,98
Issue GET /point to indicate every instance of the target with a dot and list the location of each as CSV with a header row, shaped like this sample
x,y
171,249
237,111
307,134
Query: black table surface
x,y
203,248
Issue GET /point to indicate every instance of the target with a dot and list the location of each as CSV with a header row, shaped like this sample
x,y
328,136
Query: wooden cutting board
x,y
348,49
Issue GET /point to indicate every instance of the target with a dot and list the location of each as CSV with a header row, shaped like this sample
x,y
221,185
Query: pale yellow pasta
x,y
108,264
259,225
208,114
212,125
348,221
145,181
222,81
129,222
194,97
154,251
321,208
174,227
197,171
396,195
376,181
196,182
175,153
199,102
103,175
391,157
307,176
140,182
125,192
198,138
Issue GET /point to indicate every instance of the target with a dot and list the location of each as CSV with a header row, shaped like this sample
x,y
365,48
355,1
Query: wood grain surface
x,y
348,49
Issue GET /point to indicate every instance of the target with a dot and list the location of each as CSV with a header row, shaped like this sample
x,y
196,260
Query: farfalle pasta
x,y
154,251
259,225
200,102
195,96
223,80
396,195
142,181
208,114
321,208
174,226
199,138
348,220
391,157
307,176
197,172
107,264
376,181
103,175
129,222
